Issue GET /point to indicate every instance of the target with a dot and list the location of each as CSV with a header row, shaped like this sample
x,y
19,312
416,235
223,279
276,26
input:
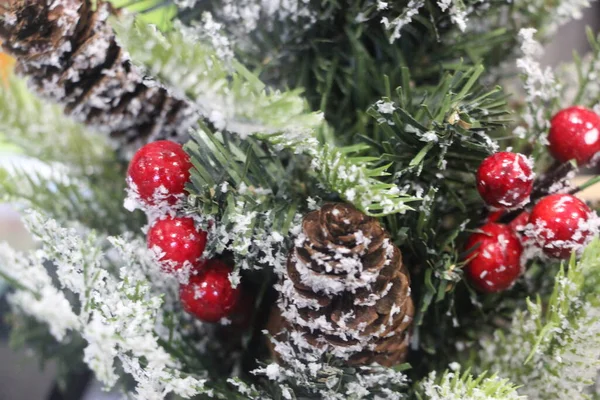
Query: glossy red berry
x,y
178,240
505,180
209,295
519,224
496,264
159,170
494,216
560,224
574,135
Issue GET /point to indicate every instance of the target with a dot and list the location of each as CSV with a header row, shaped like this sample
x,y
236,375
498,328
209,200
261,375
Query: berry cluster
x,y
157,176
557,224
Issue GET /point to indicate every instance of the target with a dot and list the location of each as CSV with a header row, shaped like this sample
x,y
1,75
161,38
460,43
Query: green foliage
x,y
353,178
227,93
157,12
71,173
562,335
345,49
443,128
403,124
250,192
586,71
435,137
49,187
452,385
234,100
40,129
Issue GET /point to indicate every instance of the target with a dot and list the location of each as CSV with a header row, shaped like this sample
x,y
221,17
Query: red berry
x,y
209,295
574,135
560,224
159,168
496,263
519,224
494,216
505,180
179,240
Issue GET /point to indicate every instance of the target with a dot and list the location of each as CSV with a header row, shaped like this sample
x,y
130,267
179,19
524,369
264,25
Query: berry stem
x,y
590,182
555,173
541,187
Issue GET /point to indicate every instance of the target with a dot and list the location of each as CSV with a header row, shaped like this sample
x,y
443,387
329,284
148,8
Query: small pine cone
x,y
346,289
71,56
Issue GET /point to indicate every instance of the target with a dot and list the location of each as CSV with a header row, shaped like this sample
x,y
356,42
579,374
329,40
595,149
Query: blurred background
x,y
22,378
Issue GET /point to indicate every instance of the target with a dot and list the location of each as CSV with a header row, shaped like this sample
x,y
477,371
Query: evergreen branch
x,y
357,182
227,94
234,100
436,137
442,128
453,385
95,201
249,199
42,131
553,349
73,173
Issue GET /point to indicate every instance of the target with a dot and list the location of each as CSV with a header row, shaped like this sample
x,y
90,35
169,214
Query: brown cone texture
x,y
346,288
71,56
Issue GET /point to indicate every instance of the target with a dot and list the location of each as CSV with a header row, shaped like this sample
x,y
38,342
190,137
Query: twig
x,y
590,182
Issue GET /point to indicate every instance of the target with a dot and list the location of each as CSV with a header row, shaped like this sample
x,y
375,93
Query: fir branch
x,y
227,94
116,315
95,201
553,349
358,183
436,137
319,378
40,130
442,128
65,169
246,196
453,385
234,100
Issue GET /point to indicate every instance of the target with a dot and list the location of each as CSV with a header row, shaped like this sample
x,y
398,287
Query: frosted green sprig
x,y
41,130
233,99
226,93
553,349
452,385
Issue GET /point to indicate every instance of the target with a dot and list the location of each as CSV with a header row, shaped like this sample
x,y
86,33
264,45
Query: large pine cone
x,y
346,289
72,57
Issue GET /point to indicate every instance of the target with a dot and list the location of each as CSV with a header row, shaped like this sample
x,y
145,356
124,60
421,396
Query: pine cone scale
x,y
72,57
345,261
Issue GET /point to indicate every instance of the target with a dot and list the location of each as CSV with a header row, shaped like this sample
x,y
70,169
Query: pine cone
x,y
346,289
72,57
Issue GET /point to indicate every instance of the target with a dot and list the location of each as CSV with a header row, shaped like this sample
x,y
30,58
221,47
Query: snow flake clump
x,y
540,82
324,379
395,26
452,386
36,296
385,107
